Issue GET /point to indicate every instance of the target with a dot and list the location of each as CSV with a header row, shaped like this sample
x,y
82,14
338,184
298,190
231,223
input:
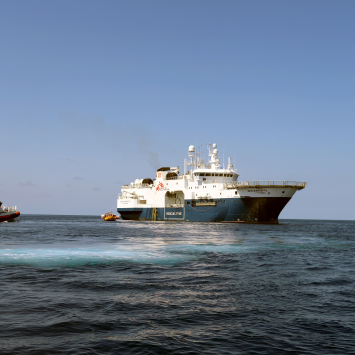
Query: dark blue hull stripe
x,y
250,210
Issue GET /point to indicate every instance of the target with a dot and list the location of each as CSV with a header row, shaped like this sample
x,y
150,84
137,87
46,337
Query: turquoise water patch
x,y
85,256
163,249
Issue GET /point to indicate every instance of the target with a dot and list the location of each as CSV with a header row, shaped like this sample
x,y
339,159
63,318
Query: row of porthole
x,y
213,174
199,200
204,187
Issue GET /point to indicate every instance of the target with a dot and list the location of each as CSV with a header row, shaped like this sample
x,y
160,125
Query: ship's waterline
x,y
205,192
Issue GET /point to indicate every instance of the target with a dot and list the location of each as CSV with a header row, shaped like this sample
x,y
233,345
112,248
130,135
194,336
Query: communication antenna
x,y
223,155
191,156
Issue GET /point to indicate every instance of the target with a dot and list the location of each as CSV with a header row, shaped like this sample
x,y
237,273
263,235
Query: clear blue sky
x,y
95,94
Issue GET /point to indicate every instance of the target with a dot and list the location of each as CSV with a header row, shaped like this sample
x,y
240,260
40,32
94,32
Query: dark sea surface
x,y
79,285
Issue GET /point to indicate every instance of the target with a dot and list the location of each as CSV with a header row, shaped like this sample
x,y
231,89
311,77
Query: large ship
x,y
205,192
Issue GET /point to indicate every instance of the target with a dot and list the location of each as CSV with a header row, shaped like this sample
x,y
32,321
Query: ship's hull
x,y
4,217
247,210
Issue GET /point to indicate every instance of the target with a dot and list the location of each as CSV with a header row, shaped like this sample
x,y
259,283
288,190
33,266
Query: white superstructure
x,y
204,192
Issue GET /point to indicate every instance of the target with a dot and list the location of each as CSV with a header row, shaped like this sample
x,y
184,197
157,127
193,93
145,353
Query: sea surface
x,y
79,285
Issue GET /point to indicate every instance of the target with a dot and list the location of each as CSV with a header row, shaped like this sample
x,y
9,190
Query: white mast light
x,y
191,151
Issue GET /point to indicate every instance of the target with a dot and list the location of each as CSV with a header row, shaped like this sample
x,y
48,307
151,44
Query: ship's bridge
x,y
222,176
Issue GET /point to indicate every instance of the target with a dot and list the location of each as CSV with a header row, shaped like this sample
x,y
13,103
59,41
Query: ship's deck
x,y
265,184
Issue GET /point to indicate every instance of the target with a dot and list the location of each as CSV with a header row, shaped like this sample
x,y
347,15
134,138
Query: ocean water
x,y
79,285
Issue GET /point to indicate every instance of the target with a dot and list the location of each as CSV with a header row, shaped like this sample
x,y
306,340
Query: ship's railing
x,y
132,197
9,208
127,197
136,186
265,183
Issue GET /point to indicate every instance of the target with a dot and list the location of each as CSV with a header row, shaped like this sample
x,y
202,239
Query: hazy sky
x,y
95,94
